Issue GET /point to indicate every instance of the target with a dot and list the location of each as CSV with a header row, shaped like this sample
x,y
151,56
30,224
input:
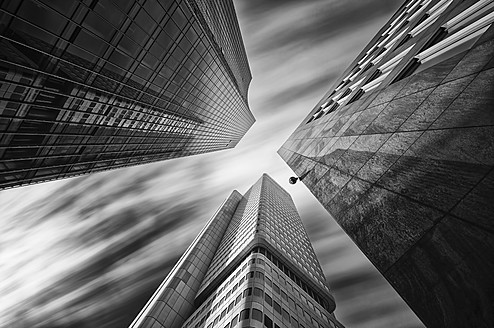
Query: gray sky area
x,y
89,251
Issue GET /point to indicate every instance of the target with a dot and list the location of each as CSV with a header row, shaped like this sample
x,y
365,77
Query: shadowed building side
x,y
401,154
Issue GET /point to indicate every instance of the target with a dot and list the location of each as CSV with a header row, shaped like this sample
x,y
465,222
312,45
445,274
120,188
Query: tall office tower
x,y
401,153
87,86
251,265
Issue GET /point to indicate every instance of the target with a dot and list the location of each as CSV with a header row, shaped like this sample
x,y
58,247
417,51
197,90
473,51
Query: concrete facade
x,y
406,168
244,271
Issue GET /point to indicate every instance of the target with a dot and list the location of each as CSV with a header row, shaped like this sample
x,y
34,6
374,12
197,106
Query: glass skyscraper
x,y
400,151
87,86
252,265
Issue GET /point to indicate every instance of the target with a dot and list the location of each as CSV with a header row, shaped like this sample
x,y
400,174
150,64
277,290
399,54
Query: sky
x,y
89,251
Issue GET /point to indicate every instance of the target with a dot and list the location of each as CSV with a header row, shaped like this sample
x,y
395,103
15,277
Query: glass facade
x,y
87,86
246,277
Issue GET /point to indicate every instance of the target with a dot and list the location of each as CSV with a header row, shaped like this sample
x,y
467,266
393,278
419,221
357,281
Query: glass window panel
x,y
234,320
150,60
98,25
154,9
108,10
63,6
172,29
244,314
179,18
268,299
42,16
137,34
128,46
268,323
33,33
120,59
256,315
91,43
145,21
277,307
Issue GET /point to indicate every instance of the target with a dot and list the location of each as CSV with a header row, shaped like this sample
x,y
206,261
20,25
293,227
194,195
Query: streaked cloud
x,y
89,251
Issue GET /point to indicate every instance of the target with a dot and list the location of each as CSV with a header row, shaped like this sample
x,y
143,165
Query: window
x,y
257,315
230,307
286,316
276,289
244,314
239,297
284,296
277,307
258,292
268,299
234,320
269,282
247,292
268,323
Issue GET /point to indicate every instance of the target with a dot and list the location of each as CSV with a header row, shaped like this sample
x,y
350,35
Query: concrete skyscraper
x,y
251,265
400,151
87,86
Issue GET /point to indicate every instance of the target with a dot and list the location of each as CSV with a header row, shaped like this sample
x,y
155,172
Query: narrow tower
x,y
252,265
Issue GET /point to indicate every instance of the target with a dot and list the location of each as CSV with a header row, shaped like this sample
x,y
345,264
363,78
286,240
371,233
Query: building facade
x,y
87,86
400,151
252,265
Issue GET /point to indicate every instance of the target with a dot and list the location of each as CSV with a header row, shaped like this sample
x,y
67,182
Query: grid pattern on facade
x,y
88,87
240,232
281,225
401,50
259,287
227,35
248,281
406,169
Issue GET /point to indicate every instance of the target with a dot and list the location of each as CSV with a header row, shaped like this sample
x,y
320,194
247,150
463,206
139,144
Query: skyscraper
x,y
400,151
251,265
87,86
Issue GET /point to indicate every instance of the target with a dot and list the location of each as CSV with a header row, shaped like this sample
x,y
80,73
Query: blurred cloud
x,y
89,251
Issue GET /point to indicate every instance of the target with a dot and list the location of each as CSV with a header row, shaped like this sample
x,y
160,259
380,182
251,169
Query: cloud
x,y
89,251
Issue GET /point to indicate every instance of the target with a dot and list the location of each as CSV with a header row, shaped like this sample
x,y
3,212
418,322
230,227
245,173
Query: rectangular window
x,y
268,299
277,307
244,314
234,320
269,282
268,323
257,315
276,289
284,296
247,292
286,316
